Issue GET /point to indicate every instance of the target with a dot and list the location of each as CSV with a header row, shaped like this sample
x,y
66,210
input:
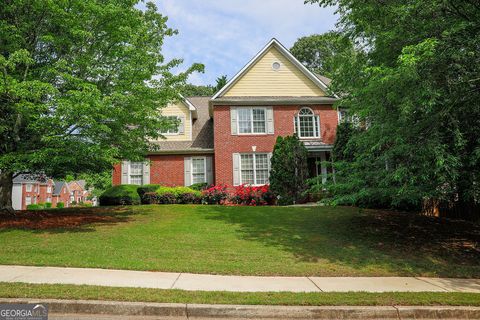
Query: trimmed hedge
x,y
171,195
60,205
34,206
124,194
199,186
147,188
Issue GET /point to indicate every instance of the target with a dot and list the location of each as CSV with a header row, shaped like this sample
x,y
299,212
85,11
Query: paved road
x,y
205,282
106,317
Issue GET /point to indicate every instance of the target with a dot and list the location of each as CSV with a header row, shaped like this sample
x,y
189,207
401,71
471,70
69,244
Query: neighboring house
x,y
76,192
61,193
229,138
36,189
31,189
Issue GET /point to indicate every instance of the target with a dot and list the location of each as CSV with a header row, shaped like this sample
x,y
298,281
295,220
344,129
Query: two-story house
x,y
30,189
229,138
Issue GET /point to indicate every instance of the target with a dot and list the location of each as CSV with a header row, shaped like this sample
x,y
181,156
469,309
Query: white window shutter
x,y
209,172
270,127
233,120
146,172
181,125
236,169
188,171
269,159
125,165
317,119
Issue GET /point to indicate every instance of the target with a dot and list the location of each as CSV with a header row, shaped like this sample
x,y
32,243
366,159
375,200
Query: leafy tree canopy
x,y
415,83
79,79
190,90
323,53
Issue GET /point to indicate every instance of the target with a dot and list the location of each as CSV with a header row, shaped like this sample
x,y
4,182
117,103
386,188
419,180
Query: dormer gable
x,y
274,72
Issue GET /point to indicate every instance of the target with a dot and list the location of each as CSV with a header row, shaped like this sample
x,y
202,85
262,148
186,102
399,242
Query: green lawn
x,y
321,241
49,291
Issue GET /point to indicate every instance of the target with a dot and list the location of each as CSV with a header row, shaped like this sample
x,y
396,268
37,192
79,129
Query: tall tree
x,y
289,171
323,53
220,83
197,90
78,81
416,85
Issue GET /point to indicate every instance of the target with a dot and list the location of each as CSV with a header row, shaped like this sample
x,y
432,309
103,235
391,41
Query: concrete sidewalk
x,y
203,282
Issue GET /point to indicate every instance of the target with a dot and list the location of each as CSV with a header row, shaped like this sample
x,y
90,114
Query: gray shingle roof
x,y
58,185
30,178
202,131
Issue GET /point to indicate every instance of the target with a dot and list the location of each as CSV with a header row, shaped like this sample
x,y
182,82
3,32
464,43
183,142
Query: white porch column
x,y
323,166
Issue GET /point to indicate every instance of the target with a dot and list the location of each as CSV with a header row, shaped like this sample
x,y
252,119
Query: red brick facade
x,y
37,192
166,170
169,169
226,144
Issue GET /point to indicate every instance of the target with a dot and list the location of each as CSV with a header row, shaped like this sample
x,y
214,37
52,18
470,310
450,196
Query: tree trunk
x,y
6,186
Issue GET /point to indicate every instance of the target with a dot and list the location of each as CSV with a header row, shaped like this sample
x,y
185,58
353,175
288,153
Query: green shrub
x,y
48,205
199,186
147,188
124,194
289,170
184,195
34,206
60,205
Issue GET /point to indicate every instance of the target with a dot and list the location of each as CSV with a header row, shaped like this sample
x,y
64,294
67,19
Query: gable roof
x,y
284,51
58,185
202,132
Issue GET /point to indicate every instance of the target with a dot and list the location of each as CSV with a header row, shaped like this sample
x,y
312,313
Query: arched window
x,y
307,124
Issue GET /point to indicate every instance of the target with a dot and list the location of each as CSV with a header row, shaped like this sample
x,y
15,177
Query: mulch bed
x,y
68,218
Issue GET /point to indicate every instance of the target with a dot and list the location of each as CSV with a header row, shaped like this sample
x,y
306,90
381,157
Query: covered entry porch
x,y
319,159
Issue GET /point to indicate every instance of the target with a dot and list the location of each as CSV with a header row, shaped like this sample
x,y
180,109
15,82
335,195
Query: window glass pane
x,y
258,120
244,121
136,180
174,128
246,163
306,126
261,166
198,170
28,200
136,173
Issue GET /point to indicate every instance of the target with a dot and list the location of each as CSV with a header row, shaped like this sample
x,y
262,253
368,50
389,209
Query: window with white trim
x,y
49,200
49,189
136,173
173,128
29,187
28,200
254,168
199,170
252,120
307,124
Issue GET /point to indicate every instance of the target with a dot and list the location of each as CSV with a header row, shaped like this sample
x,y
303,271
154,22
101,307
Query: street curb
x,y
192,311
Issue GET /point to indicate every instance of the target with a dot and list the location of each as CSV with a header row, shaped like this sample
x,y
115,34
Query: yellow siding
x,y
262,80
178,109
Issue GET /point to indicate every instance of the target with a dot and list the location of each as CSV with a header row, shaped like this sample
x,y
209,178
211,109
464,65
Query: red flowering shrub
x,y
215,194
253,196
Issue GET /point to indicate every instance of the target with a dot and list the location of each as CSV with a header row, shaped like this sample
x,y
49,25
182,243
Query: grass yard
x,y
62,291
314,241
